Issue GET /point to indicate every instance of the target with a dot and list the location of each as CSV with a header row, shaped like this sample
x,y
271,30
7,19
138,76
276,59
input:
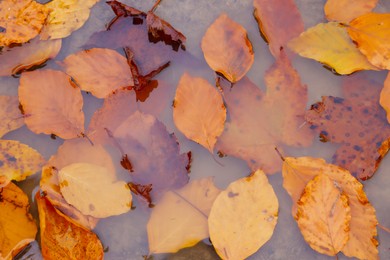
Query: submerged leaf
x,y
346,10
10,116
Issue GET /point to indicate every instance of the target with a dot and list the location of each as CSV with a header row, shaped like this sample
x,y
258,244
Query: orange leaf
x,y
61,239
10,116
346,10
51,103
385,96
227,49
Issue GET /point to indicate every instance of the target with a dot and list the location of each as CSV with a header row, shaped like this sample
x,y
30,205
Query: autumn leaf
x,y
330,44
227,49
187,208
346,10
385,97
52,104
18,161
323,215
20,20
99,71
10,115
279,21
27,56
357,122
297,172
18,227
198,111
66,16
61,239
371,32
243,217
259,121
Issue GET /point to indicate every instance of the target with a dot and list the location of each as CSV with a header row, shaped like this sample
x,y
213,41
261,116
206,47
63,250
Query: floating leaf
x,y
297,172
10,116
20,20
227,49
61,239
24,57
330,44
198,111
51,103
385,96
243,217
66,16
18,227
187,208
371,33
323,215
279,21
346,10
18,161
259,122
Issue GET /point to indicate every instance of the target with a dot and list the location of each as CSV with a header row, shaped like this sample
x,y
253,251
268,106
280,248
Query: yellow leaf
x,y
371,33
17,227
18,161
198,111
180,218
66,16
21,20
61,239
385,96
346,10
323,215
227,49
10,116
297,172
330,44
243,217
93,190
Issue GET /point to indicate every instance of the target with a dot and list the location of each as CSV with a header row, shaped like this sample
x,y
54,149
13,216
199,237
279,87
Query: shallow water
x,y
125,235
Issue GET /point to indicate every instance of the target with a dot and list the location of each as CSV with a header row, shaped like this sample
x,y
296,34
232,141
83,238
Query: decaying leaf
x,y
227,49
297,172
99,71
20,20
10,116
371,33
279,21
18,161
385,97
61,239
187,208
198,111
243,217
330,44
323,215
52,103
27,56
357,122
17,226
66,16
260,122
346,10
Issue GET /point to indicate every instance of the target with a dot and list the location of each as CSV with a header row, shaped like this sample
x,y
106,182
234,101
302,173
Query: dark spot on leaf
x,y
357,148
338,100
188,166
53,136
313,127
2,29
126,164
232,194
324,136
221,154
91,207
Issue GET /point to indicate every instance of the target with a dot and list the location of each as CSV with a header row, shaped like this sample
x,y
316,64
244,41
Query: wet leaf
x,y
21,20
357,122
61,239
18,227
385,97
18,161
279,21
51,103
27,56
93,190
243,217
371,32
323,215
346,10
297,172
330,44
259,121
198,111
187,208
10,116
227,49
66,16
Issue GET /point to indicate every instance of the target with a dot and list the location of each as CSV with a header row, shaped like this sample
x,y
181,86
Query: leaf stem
x,y
384,228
